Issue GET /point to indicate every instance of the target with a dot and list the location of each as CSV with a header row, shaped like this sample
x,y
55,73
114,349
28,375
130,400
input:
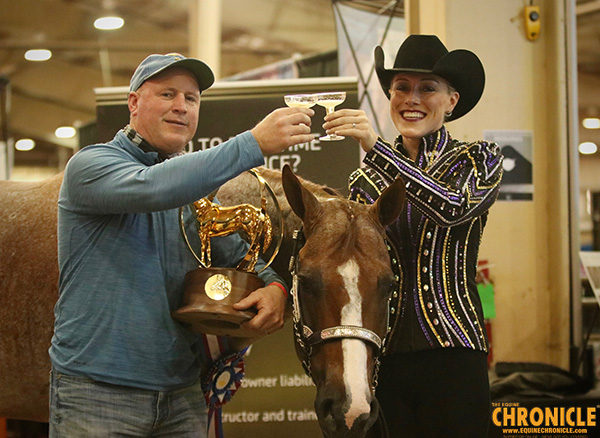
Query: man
x,y
121,365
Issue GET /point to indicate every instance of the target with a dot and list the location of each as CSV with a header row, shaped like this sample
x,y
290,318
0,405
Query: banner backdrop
x,y
276,398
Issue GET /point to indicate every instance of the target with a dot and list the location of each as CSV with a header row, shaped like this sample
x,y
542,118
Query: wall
x,y
527,242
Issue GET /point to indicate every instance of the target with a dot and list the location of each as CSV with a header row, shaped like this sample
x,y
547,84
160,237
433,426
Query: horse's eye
x,y
303,280
309,282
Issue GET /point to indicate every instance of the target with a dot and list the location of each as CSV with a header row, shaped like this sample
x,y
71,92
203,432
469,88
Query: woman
x,y
433,380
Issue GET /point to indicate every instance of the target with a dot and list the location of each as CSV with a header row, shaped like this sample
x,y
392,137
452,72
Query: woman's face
x,y
419,103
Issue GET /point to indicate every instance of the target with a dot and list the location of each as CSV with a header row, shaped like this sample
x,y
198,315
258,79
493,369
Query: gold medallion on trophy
x,y
218,287
210,292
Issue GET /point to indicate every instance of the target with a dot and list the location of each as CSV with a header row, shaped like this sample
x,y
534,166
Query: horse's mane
x,y
245,189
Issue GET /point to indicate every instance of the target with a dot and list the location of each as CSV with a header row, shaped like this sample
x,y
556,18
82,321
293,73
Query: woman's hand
x,y
351,123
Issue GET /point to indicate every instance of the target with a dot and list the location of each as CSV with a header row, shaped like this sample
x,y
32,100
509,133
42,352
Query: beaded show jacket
x,y
435,242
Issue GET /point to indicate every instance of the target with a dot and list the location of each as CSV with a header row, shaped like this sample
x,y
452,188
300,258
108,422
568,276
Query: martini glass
x,y
329,101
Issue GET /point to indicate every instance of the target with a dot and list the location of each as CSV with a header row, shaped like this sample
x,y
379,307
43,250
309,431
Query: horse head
x,y
342,286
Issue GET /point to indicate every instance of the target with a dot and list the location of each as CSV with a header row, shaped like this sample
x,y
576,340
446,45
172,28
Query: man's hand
x,y
270,301
283,128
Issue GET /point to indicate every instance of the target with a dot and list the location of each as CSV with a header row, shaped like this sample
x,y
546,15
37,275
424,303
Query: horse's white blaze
x,y
354,350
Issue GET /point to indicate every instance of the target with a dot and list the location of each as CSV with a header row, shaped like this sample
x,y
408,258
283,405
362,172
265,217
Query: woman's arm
x,y
460,184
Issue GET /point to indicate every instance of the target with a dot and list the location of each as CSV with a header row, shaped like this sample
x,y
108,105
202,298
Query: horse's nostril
x,y
374,405
325,407
328,420
373,415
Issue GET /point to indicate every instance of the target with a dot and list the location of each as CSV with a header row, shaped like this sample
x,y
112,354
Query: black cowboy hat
x,y
427,54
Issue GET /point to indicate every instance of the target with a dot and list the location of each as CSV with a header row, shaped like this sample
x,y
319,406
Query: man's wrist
x,y
280,286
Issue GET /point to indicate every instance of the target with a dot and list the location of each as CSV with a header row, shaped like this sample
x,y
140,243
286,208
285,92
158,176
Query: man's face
x,y
164,110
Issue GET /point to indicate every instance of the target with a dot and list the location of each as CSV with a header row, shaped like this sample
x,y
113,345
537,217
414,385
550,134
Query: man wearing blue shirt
x,y
121,365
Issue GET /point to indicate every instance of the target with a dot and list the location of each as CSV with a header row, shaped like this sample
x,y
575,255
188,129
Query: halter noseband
x,y
307,338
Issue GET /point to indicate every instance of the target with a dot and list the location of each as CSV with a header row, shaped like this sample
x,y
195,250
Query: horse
x,y
342,284
29,290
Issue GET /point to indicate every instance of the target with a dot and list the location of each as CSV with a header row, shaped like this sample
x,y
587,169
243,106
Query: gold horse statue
x,y
213,220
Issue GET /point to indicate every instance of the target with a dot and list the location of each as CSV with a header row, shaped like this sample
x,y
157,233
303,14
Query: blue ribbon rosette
x,y
221,383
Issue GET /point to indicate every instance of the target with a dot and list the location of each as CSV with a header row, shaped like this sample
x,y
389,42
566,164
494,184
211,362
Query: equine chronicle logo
x,y
517,421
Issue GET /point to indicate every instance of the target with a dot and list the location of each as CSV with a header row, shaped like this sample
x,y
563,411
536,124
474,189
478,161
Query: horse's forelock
x,y
340,225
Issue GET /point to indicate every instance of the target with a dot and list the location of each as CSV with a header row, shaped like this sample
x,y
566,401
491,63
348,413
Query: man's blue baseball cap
x,y
155,64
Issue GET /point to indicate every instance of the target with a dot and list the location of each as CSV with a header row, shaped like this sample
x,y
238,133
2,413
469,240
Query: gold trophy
x,y
210,292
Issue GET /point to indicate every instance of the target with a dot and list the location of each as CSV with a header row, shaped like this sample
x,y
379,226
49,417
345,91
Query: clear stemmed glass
x,y
300,100
329,101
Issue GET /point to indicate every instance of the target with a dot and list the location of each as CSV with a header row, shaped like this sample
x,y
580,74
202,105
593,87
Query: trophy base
x,y
216,316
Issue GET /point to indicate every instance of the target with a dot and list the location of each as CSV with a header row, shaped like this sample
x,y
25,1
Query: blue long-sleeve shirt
x,y
122,260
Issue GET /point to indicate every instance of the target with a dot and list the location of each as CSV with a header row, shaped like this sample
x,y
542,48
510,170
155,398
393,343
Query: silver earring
x,y
448,113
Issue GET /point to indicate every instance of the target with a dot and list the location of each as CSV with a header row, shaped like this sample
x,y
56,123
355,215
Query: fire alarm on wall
x,y
532,22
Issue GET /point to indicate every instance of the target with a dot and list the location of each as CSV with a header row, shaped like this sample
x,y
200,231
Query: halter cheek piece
x,y
306,338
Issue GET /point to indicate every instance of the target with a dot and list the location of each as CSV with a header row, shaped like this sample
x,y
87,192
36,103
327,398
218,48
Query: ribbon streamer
x,y
221,382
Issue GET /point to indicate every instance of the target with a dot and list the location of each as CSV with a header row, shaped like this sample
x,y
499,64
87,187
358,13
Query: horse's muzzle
x,y
332,417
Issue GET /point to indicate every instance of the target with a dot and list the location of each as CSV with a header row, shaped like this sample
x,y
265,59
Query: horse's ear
x,y
302,201
391,202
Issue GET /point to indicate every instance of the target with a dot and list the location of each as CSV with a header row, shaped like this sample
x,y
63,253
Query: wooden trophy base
x,y
216,316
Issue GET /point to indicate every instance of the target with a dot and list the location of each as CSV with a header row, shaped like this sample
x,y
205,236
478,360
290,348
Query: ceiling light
x,y
591,123
109,23
588,148
65,132
38,55
24,144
